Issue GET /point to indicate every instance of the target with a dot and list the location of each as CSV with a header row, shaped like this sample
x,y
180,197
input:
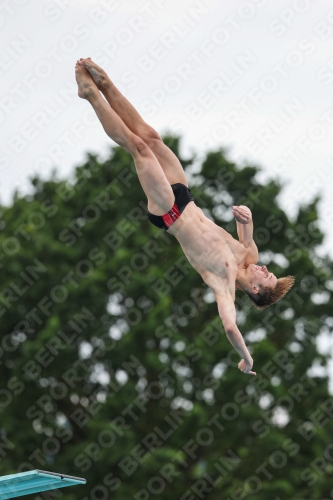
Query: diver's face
x,y
261,277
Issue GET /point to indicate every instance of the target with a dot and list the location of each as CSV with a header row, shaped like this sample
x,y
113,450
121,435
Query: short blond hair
x,y
268,297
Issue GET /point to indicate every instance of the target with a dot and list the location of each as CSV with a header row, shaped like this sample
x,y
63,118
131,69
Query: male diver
x,y
223,262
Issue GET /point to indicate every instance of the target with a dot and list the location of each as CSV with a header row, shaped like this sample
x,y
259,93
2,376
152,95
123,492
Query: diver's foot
x,y
86,86
98,74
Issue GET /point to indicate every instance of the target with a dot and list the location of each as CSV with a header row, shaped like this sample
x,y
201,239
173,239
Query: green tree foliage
x,y
114,362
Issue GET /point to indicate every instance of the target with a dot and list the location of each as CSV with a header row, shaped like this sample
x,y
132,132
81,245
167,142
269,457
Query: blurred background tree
x,y
114,363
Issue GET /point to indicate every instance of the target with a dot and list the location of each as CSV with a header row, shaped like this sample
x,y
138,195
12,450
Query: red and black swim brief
x,y
182,197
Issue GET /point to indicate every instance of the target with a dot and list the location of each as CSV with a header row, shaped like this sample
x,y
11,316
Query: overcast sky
x,y
253,76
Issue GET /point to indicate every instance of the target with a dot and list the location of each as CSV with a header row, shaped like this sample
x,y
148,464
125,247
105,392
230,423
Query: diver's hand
x,y
246,367
242,214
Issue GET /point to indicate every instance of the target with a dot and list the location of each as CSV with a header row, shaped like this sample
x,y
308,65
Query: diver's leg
x,y
168,160
152,178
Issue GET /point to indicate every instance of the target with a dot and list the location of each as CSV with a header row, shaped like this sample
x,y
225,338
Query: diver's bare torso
x,y
211,250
